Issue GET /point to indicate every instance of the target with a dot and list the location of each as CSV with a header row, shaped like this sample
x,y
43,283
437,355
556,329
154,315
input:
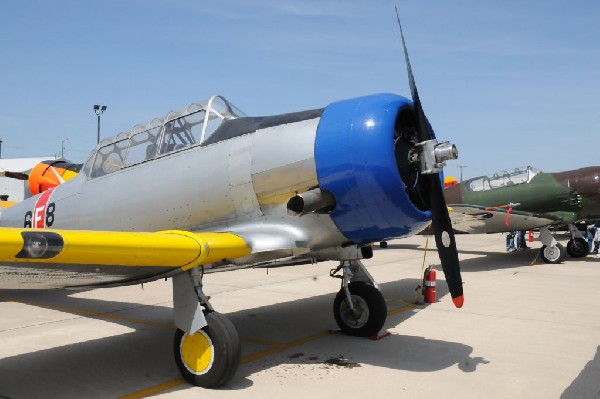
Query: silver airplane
x,y
207,188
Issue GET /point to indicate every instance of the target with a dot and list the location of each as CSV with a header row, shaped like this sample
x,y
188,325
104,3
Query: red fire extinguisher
x,y
530,237
429,283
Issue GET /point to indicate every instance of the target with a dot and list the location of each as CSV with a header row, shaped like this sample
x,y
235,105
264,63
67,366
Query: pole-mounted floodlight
x,y
98,110
461,171
62,148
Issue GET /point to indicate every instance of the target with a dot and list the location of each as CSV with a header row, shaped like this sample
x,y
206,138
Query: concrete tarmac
x,y
526,331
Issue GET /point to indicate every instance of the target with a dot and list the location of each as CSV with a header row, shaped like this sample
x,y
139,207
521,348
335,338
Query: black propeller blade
x,y
15,175
440,219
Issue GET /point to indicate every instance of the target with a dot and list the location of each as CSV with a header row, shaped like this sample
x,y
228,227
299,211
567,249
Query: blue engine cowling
x,y
356,161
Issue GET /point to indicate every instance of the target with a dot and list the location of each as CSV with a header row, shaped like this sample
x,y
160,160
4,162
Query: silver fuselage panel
x,y
240,185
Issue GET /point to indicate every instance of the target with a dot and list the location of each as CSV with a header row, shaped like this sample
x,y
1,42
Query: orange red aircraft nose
x,y
50,174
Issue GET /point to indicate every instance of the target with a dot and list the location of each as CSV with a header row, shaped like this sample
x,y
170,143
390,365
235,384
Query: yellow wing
x,y
125,256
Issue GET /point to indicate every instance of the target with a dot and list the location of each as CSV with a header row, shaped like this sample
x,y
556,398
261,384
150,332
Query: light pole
x,y
461,170
62,148
99,110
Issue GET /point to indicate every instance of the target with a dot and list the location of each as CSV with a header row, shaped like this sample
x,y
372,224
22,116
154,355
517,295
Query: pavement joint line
x,y
36,324
277,348
89,313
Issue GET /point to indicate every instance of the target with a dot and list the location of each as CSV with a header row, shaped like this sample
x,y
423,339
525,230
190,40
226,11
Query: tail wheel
x,y
370,310
577,248
554,254
210,357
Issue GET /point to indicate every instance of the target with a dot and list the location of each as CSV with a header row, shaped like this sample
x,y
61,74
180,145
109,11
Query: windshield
x,y
502,179
180,129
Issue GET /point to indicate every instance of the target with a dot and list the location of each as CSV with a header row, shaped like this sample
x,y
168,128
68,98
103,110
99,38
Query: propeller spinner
x,y
430,156
46,174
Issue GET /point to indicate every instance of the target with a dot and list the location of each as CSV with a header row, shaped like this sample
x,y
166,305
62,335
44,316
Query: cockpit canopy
x,y
502,179
180,129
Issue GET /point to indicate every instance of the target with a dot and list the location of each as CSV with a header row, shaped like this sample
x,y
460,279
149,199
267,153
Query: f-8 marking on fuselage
x,y
42,215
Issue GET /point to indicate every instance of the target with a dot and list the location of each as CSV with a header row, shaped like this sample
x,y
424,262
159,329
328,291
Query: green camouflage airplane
x,y
526,198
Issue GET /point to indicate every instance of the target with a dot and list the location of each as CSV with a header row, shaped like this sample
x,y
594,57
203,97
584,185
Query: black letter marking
x,y
50,214
28,216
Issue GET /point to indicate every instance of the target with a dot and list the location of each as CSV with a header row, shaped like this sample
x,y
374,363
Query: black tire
x,y
371,305
383,244
553,254
577,248
209,358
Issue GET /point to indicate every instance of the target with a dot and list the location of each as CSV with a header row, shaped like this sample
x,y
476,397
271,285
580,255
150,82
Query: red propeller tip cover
x,y
458,301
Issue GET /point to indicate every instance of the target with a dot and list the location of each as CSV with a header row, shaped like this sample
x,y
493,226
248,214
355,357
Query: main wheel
x,y
553,254
577,248
370,310
210,357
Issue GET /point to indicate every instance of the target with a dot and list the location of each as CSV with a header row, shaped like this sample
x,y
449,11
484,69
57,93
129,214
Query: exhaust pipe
x,y
316,200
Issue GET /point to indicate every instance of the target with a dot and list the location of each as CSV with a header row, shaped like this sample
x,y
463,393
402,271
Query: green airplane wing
x,y
475,219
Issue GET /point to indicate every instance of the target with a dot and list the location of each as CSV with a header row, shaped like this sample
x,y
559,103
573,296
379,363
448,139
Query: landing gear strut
x,y
206,346
359,308
552,251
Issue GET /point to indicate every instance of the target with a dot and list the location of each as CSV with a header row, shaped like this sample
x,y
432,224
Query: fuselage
x,y
571,195
239,179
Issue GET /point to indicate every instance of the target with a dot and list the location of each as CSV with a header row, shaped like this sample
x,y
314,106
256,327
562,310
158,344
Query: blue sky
x,y
509,82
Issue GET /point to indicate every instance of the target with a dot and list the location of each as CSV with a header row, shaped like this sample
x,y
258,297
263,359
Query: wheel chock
x,y
380,335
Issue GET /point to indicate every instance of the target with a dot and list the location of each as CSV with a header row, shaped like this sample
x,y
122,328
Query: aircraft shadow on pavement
x,y
484,260
129,362
491,260
586,383
503,260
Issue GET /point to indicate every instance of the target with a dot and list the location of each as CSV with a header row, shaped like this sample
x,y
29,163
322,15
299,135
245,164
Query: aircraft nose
x,y
589,181
596,179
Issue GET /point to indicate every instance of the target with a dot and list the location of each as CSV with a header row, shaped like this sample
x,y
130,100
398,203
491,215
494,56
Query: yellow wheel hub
x,y
197,352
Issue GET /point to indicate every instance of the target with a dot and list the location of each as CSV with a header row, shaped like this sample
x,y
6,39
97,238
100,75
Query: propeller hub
x,y
433,155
